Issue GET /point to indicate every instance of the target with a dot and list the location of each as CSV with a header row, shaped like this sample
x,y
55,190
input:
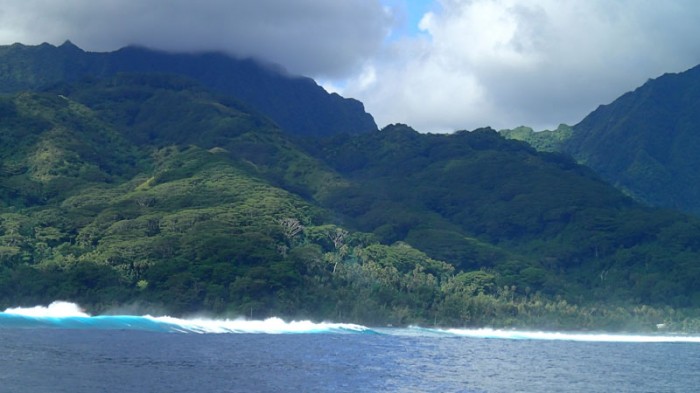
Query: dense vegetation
x,y
148,191
540,221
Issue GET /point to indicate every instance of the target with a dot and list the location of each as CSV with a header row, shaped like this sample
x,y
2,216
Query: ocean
x,y
61,349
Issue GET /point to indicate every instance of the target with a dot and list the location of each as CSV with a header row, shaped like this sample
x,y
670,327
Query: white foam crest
x,y
267,326
566,336
57,309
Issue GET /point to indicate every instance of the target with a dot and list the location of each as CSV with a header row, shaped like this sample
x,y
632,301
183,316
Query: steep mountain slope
x,y
647,141
298,105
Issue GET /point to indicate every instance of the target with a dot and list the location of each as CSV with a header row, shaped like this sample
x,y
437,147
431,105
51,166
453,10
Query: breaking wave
x,y
64,315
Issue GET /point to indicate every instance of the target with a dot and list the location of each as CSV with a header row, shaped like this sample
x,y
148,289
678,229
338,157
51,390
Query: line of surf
x,y
487,333
67,315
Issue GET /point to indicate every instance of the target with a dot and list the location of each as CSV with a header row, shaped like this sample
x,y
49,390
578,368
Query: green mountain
x,y
151,190
298,105
645,142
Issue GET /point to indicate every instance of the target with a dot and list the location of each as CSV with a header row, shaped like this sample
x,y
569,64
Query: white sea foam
x,y
57,309
569,336
267,326
64,314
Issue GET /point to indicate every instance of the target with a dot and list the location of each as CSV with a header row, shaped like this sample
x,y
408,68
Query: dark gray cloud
x,y
310,37
501,63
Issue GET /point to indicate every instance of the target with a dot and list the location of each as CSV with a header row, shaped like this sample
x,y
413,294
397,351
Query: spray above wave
x,y
66,315
56,309
267,326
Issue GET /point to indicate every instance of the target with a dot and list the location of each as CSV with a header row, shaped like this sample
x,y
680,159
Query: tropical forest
x,y
143,181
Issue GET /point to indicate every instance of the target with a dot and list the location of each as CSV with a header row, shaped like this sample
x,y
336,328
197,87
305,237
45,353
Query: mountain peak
x,y
69,45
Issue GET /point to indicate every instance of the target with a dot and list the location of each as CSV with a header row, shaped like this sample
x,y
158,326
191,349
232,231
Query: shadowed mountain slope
x,y
297,104
647,142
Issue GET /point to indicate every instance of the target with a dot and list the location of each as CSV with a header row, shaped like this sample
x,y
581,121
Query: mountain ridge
x,y
646,141
297,104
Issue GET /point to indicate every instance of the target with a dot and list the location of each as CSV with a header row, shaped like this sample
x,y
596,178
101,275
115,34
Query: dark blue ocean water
x,y
75,361
57,350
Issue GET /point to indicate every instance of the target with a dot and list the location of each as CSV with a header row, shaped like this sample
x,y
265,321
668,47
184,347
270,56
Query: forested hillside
x,y
150,191
548,222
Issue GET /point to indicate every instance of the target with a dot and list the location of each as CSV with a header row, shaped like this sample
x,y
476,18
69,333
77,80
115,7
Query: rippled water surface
x,y
60,360
58,351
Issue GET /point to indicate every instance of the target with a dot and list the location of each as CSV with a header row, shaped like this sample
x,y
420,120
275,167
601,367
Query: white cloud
x,y
506,62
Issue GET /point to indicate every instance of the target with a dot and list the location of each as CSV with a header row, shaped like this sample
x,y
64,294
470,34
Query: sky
x,y
436,65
